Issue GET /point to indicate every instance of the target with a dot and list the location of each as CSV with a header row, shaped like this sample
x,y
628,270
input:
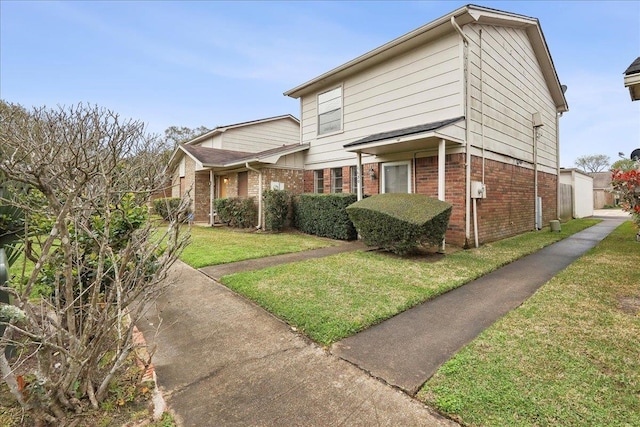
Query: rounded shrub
x,y
400,222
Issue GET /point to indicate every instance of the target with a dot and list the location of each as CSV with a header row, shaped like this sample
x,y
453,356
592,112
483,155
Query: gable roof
x,y
221,129
634,68
465,15
213,156
218,158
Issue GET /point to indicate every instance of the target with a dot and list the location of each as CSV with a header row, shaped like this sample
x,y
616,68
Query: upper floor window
x,y
318,181
330,111
336,180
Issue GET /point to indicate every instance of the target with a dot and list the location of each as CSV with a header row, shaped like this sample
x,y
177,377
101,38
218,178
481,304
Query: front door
x,y
222,186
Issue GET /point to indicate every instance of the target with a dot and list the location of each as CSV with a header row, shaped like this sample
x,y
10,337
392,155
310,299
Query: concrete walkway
x,y
218,271
221,360
406,350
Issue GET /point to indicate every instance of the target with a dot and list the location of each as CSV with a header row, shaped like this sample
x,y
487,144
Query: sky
x,y
198,63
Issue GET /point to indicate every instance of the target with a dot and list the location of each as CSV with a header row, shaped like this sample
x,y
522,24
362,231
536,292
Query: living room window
x,y
330,111
336,180
318,181
396,177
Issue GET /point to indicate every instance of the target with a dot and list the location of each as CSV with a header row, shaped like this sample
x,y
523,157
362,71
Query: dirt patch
x,y
629,305
423,253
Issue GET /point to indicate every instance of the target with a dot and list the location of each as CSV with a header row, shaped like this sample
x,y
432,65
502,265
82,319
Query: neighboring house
x,y
602,195
240,160
632,79
581,194
464,108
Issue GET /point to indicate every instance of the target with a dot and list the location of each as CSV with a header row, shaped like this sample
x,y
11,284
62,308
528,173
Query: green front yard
x,y
331,298
569,356
221,245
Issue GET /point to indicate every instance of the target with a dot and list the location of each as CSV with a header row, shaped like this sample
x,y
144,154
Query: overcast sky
x,y
218,63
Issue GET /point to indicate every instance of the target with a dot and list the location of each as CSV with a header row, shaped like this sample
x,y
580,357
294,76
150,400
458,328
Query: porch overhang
x,y
632,79
411,139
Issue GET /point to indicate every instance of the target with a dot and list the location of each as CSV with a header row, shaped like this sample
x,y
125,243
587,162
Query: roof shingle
x,y
404,132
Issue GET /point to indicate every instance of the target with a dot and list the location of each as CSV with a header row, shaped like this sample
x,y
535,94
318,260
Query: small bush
x,y
239,212
325,215
167,207
400,222
276,208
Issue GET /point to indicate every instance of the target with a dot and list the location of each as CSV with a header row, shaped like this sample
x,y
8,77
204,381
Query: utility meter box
x,y
478,190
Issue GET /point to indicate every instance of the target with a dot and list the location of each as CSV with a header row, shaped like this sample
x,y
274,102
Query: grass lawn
x,y
334,297
221,245
570,355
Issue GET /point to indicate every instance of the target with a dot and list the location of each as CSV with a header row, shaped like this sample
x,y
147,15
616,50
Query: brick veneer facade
x,y
292,179
507,210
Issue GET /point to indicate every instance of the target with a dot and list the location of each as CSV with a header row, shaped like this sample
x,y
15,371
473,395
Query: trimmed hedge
x,y
400,222
238,212
167,207
324,215
276,209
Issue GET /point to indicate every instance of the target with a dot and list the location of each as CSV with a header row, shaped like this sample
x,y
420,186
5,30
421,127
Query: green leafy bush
x,y
127,215
400,222
276,208
325,215
237,212
167,208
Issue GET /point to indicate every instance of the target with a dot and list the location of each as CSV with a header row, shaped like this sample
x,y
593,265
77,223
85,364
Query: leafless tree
x,y
593,163
97,257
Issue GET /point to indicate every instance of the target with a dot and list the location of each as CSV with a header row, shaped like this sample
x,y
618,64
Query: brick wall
x,y
426,182
509,207
293,179
371,185
201,196
507,210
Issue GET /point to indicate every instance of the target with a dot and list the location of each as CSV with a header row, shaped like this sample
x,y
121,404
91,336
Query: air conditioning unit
x,y
478,190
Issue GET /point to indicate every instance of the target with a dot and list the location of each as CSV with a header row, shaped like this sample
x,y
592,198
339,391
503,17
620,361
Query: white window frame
x,y
317,189
334,187
383,173
333,132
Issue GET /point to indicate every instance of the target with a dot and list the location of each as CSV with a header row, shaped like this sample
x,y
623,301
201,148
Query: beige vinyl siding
x,y
214,141
513,88
420,86
261,136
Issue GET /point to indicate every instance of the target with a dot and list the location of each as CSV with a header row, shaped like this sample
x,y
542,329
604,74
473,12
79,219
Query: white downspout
x,y
441,179
467,112
259,194
441,169
558,115
535,178
359,176
482,118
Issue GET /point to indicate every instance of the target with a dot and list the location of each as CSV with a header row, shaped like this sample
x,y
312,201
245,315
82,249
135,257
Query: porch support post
x,y
441,167
211,188
359,176
441,175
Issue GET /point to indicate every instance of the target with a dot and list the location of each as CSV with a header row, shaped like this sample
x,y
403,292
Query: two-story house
x,y
464,108
239,160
